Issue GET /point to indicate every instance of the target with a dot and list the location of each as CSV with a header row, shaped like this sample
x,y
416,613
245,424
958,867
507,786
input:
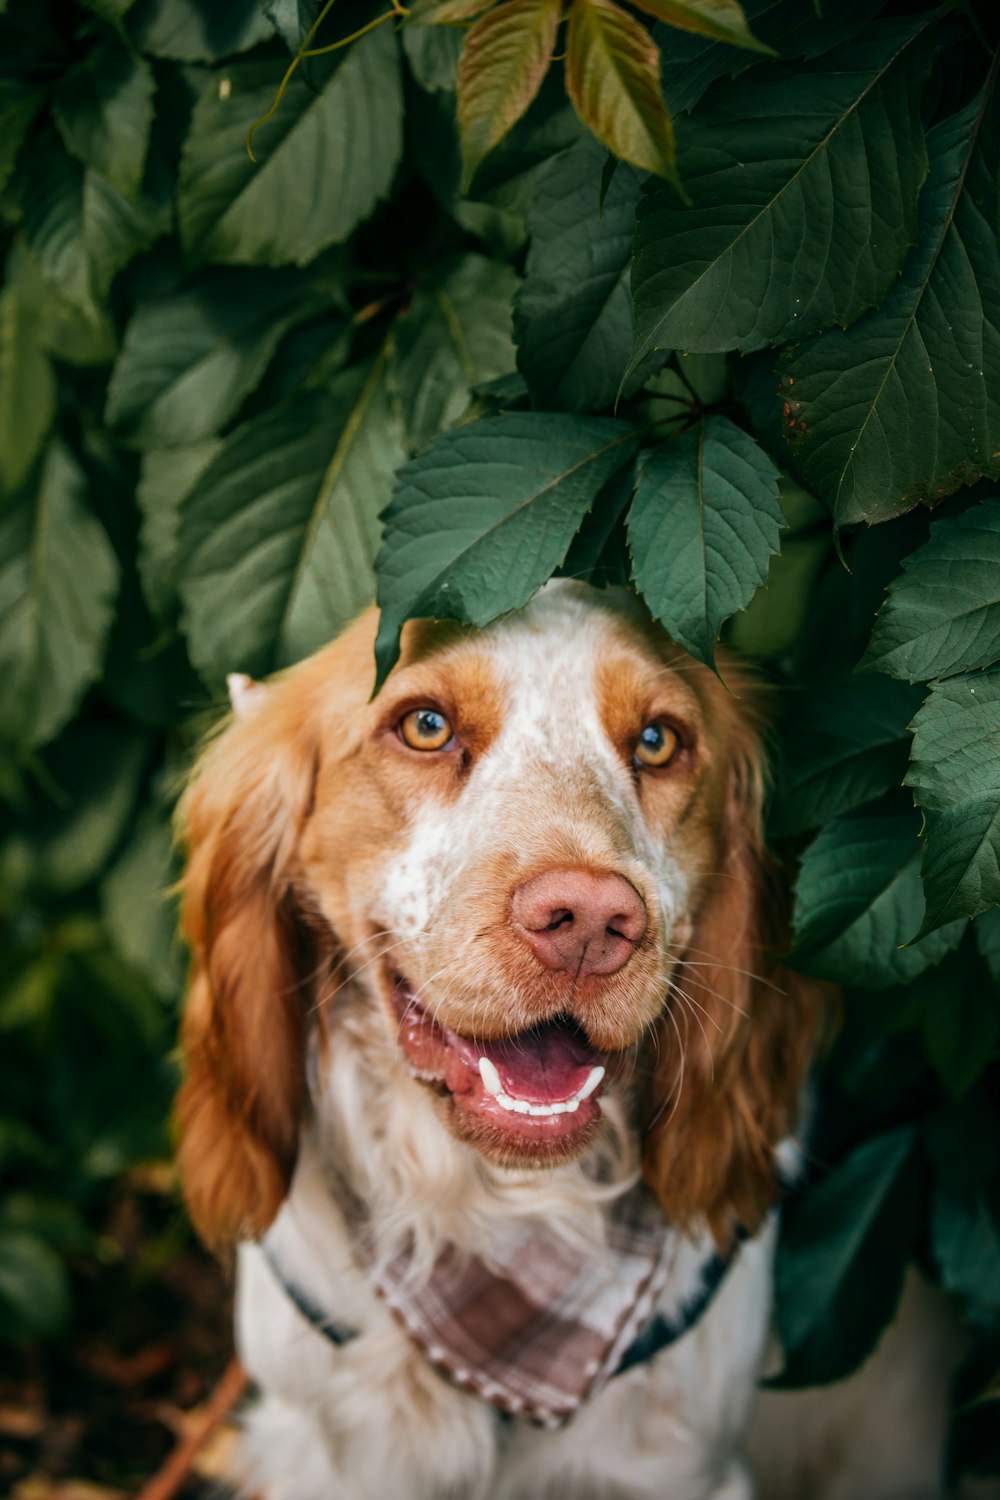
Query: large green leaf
x,y
942,614
858,899
506,55
324,160
613,78
432,53
27,389
136,904
192,31
104,110
80,228
485,516
720,20
955,776
905,406
19,104
454,335
168,474
58,579
573,315
803,184
702,529
844,741
960,1018
189,359
278,535
841,1258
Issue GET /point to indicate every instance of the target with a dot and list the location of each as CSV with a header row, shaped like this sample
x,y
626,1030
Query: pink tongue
x,y
544,1065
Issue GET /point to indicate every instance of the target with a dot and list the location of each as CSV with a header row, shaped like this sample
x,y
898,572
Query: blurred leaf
x,y
841,1258
905,406
613,78
103,108
58,580
69,333
858,898
846,741
34,1287
942,614
139,911
191,31
270,213
770,248
19,104
168,475
955,776
432,53
703,526
720,20
278,535
189,359
484,516
74,825
506,55
987,931
454,335
573,314
961,1018
27,390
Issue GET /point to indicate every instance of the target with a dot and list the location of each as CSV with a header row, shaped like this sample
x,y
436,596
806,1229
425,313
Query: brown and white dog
x,y
488,1063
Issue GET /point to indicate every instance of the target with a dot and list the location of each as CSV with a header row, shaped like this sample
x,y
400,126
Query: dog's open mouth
x,y
537,1086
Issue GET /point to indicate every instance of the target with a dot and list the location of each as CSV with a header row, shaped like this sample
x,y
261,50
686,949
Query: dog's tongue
x,y
543,1065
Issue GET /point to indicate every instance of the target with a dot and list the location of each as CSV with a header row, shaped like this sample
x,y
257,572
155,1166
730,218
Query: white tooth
x,y
559,1108
504,1100
539,1109
593,1079
520,1106
572,1105
490,1077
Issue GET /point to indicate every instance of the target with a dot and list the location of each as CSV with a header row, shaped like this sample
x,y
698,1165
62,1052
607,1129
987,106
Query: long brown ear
x,y
747,1030
242,1038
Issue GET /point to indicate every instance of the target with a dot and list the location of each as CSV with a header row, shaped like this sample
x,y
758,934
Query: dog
x,y
488,1064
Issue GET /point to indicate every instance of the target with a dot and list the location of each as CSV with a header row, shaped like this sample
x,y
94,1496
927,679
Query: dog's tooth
x,y
593,1079
572,1105
490,1077
504,1100
520,1106
559,1108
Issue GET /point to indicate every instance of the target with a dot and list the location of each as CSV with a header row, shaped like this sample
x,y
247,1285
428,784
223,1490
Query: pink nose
x,y
582,921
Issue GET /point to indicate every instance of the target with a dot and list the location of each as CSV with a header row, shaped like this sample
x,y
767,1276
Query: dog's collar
x,y
656,1333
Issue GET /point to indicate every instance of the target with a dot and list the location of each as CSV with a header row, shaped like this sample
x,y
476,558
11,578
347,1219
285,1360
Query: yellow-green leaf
x,y
613,77
505,57
448,12
722,20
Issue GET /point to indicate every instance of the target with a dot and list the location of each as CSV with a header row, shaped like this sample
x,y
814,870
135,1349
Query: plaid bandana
x,y
544,1326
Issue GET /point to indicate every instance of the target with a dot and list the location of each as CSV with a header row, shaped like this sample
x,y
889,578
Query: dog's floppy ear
x,y
747,1029
242,1038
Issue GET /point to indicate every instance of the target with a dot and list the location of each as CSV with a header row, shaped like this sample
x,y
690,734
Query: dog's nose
x,y
582,921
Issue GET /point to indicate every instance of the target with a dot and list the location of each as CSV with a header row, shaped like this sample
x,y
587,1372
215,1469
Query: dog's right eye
x,y
425,729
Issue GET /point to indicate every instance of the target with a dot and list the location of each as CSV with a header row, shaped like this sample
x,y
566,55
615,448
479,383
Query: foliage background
x,y
772,368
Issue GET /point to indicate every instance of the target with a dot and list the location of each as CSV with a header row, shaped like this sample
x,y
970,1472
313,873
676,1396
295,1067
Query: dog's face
x,y
538,849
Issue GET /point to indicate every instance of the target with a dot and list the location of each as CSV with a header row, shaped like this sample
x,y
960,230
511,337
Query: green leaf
x,y
486,515
858,899
454,335
71,334
773,246
139,914
34,1287
846,741
942,614
58,580
168,474
19,104
279,533
720,20
325,159
703,526
505,57
841,1258
573,314
966,1248
27,390
613,78
432,53
190,358
987,931
905,406
191,31
955,776
960,1019
104,110
81,230
77,819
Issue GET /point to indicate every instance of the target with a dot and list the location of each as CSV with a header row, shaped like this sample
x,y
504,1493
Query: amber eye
x,y
657,745
425,729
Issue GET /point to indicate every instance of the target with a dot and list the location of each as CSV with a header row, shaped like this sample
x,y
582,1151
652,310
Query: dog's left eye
x,y
425,729
657,745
